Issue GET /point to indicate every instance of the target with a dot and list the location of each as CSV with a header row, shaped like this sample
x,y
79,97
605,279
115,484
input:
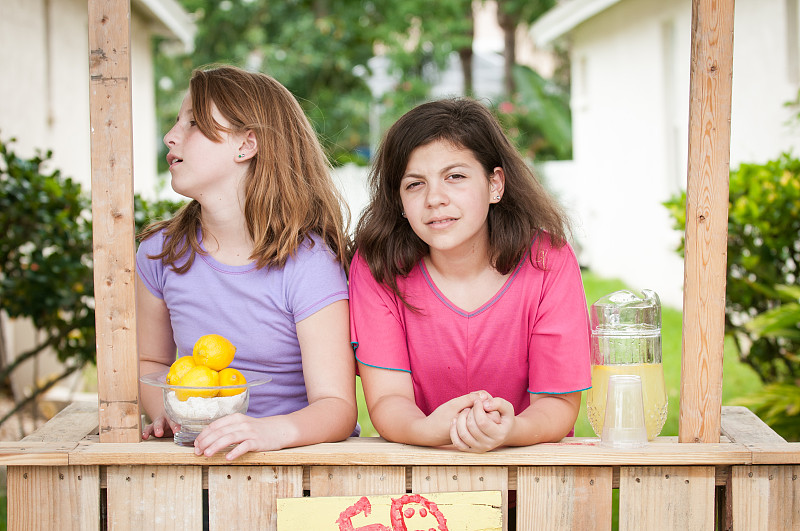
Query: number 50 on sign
x,y
442,511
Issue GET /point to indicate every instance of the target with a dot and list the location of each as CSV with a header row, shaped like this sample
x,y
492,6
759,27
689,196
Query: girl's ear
x,y
248,147
497,184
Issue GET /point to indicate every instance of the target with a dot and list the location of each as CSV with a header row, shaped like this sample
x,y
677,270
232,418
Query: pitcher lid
x,y
627,310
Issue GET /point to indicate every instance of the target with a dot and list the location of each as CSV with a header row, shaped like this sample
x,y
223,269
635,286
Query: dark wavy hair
x,y
385,239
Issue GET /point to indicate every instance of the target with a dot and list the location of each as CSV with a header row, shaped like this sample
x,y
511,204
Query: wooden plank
x,y
154,497
451,511
776,454
245,497
112,220
706,220
380,453
553,498
35,453
743,426
666,498
765,497
60,497
70,424
426,479
352,481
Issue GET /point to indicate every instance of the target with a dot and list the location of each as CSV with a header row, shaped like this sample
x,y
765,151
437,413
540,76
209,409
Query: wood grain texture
x,y
154,497
350,481
58,497
355,452
112,220
706,220
245,497
765,497
666,498
564,498
72,423
740,424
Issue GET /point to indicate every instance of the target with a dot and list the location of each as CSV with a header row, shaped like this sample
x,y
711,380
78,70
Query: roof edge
x,y
170,20
565,17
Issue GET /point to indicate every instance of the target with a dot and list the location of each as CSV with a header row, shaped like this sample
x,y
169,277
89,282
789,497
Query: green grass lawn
x,y
738,378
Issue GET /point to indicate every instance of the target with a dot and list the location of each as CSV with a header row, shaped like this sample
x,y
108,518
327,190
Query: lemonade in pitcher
x,y
653,394
626,339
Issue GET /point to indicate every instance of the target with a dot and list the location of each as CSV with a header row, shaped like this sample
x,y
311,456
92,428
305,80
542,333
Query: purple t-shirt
x,y
257,309
531,337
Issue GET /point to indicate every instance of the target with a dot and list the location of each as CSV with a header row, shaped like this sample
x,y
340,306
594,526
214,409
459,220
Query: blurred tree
x,y
510,15
320,50
46,261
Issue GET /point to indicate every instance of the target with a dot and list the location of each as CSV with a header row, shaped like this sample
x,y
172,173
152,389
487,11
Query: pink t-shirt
x,y
531,337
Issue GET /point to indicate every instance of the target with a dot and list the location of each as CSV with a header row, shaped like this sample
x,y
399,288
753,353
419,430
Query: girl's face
x,y
200,167
446,195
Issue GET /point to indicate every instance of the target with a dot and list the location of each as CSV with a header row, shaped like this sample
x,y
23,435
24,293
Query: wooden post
x,y
706,220
113,224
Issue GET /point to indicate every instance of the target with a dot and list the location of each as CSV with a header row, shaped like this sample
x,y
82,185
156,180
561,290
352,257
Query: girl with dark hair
x,y
258,257
467,308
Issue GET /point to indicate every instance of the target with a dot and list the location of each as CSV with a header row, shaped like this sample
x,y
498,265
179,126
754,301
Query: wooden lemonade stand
x,y
88,468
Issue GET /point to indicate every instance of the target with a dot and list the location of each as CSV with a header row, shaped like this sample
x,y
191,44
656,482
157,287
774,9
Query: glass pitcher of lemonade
x,y
626,339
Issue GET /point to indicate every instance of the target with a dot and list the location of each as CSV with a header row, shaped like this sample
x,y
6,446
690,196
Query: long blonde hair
x,y
289,193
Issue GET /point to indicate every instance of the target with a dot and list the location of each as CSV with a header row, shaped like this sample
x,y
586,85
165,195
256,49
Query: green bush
x,y
46,258
762,294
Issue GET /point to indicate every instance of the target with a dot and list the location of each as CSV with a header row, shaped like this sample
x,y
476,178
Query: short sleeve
x,y
314,279
559,343
150,270
376,326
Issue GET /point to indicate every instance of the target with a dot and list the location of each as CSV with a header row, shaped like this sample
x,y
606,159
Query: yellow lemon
x,y
198,376
213,351
231,376
178,368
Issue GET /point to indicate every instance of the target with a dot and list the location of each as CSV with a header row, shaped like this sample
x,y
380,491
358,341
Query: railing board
x,y
740,424
72,423
427,479
666,498
53,497
352,481
36,453
556,498
245,497
382,453
765,497
154,497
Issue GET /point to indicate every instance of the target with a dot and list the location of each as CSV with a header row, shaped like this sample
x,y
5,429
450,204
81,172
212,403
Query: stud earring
x,y
403,214
241,155
497,198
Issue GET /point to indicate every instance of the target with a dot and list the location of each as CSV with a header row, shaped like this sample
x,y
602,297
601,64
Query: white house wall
x,y
44,96
44,104
630,90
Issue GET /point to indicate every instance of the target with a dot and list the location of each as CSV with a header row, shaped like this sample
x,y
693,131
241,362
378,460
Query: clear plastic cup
x,y
624,425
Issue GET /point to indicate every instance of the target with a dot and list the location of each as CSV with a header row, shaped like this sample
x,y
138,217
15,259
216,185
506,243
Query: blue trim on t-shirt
x,y
379,367
561,393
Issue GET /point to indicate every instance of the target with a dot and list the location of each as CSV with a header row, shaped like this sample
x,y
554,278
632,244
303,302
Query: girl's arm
x,y
156,353
329,372
394,413
548,418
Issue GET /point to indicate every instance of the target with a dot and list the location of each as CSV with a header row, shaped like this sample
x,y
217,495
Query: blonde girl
x,y
257,257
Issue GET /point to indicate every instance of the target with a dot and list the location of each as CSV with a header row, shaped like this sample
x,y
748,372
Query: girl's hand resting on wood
x,y
247,433
161,427
484,426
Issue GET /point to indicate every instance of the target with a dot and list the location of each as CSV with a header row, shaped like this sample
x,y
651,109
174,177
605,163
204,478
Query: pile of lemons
x,y
206,367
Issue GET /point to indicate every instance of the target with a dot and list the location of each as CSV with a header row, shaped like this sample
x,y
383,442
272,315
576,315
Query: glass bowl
x,y
196,412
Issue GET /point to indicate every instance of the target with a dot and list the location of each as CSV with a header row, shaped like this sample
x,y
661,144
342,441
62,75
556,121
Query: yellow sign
x,y
440,511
